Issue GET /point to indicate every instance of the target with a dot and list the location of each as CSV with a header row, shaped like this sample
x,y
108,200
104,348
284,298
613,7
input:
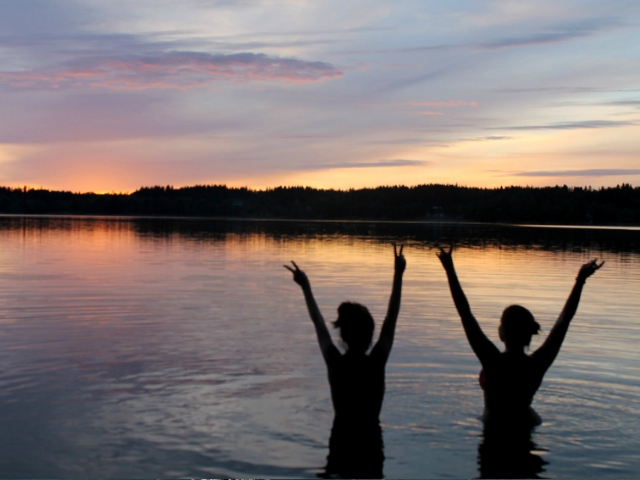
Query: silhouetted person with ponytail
x,y
356,378
511,378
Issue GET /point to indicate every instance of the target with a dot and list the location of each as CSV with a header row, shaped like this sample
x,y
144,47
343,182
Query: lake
x,y
182,348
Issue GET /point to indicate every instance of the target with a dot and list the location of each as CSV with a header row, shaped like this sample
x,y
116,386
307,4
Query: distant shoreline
x,y
611,207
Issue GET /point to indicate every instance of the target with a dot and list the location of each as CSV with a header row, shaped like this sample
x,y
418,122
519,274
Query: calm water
x,y
175,348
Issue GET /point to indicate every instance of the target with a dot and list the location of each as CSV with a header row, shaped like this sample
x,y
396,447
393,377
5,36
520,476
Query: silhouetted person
x,y
356,379
511,378
507,451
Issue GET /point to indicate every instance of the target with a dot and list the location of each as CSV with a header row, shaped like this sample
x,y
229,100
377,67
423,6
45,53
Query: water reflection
x,y
177,348
431,234
508,452
574,239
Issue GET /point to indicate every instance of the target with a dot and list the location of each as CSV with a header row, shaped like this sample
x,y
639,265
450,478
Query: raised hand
x,y
446,258
298,275
588,269
400,262
551,346
383,346
328,349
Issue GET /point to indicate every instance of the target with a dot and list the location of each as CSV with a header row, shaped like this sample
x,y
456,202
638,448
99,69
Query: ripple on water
x,y
134,351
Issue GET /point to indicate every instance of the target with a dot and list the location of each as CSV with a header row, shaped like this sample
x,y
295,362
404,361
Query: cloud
x,y
410,82
551,34
569,90
407,50
589,172
491,138
380,163
101,115
171,70
562,33
308,137
447,104
398,141
535,39
623,103
506,42
444,104
571,125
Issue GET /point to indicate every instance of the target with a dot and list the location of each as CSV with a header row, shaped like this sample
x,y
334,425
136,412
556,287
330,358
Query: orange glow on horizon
x,y
484,162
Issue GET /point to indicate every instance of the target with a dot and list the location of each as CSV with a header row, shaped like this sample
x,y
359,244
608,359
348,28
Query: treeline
x,y
618,205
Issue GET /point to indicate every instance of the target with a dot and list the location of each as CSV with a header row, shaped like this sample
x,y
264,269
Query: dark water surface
x,y
176,348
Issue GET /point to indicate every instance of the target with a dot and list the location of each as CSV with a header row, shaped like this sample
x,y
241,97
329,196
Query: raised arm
x,y
548,351
327,347
480,344
387,332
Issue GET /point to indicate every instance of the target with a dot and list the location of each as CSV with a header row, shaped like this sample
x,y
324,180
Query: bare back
x,y
511,380
357,388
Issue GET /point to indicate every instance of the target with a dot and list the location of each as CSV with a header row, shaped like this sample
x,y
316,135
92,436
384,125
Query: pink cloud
x,y
175,70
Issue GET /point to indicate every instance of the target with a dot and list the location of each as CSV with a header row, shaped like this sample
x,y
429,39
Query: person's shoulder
x,y
509,360
492,357
333,357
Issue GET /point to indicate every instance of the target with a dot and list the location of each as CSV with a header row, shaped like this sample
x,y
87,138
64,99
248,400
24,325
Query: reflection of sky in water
x,y
142,349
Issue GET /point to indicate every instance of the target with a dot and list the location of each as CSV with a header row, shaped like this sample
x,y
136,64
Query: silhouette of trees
x,y
618,205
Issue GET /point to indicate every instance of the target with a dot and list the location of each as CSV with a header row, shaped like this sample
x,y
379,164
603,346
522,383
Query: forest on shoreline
x,y
564,205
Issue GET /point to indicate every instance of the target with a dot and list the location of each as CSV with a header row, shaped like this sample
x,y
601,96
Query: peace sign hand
x,y
446,258
298,275
400,262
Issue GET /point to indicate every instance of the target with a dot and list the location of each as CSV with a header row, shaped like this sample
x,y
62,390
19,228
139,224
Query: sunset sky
x,y
105,96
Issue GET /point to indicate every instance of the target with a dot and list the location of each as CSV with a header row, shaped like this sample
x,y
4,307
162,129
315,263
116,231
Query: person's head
x,y
356,326
517,326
